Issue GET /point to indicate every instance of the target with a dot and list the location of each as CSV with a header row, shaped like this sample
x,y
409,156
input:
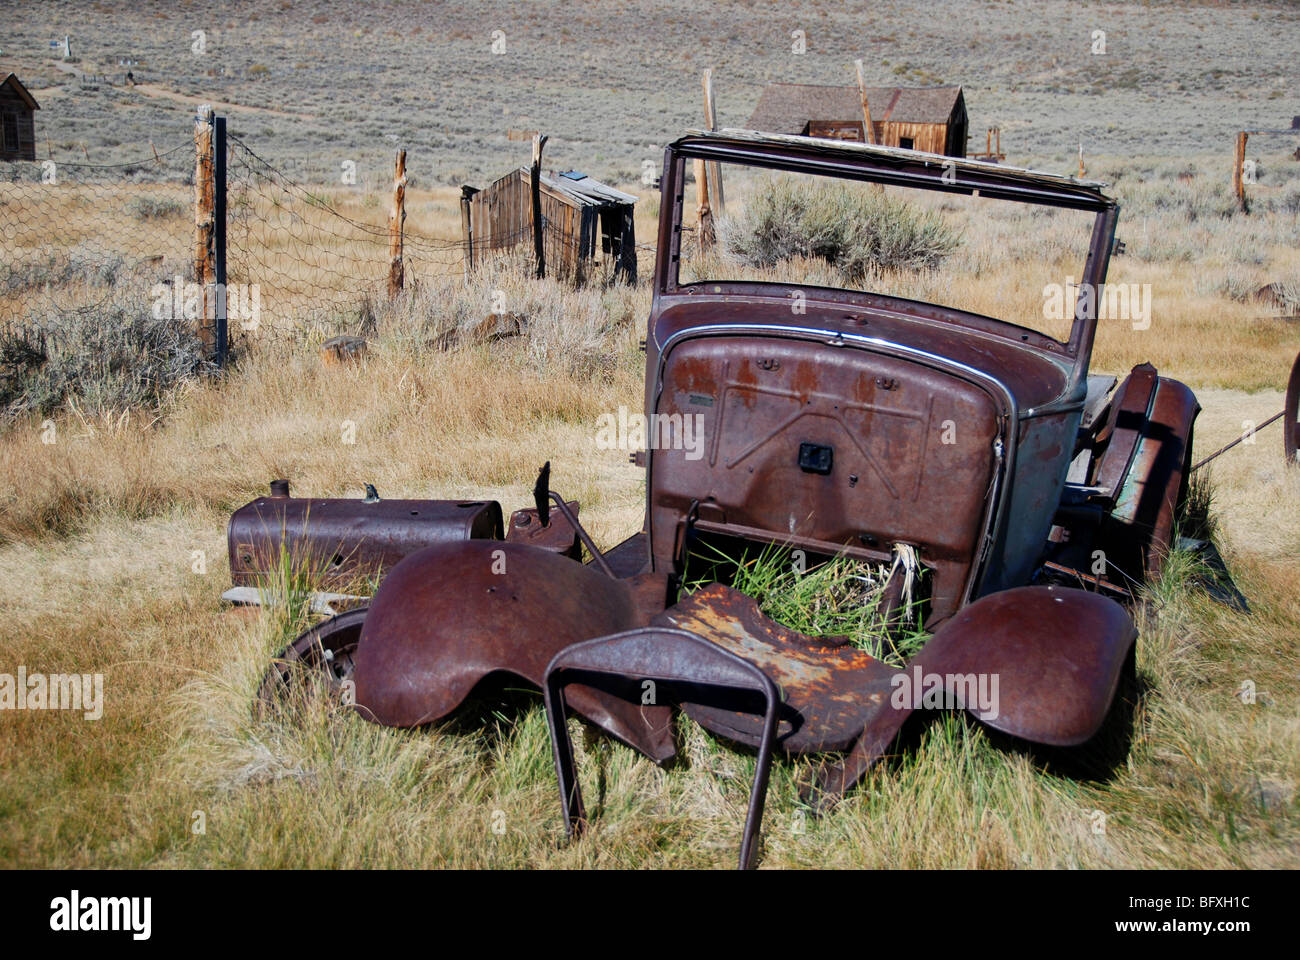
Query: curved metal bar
x,y
620,664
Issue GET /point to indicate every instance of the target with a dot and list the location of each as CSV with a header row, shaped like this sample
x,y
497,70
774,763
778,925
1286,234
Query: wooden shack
x,y
17,119
932,119
587,223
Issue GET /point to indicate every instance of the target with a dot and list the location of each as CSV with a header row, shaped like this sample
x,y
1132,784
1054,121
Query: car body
x,y
1024,498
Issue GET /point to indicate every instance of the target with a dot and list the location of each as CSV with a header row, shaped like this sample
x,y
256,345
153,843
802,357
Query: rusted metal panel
x,y
448,616
1150,494
828,686
558,535
887,425
1043,450
1057,654
342,539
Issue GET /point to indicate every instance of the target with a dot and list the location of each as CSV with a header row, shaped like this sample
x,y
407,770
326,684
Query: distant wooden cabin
x,y
587,222
17,119
932,119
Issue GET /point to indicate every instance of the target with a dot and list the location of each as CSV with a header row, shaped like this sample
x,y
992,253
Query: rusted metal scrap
x,y
341,540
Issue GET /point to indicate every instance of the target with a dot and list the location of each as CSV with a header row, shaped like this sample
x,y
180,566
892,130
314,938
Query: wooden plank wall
x,y
925,136
502,217
11,103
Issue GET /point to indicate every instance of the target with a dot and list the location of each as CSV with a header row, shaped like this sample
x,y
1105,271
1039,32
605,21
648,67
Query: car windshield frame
x,y
892,167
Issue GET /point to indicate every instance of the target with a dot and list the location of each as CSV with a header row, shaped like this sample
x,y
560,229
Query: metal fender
x,y
1052,657
447,616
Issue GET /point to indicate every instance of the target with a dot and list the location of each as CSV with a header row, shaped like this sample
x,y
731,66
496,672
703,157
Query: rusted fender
x,y
447,616
1052,657
1056,653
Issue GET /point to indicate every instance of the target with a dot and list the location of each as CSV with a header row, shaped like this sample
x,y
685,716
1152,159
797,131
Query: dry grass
x,y
98,533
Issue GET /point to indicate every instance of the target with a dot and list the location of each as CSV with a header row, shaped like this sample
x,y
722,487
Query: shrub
x,y
1232,285
102,358
853,228
81,264
148,207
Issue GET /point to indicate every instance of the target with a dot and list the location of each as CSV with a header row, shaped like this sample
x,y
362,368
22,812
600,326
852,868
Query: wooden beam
x,y
205,266
535,177
1238,165
467,230
396,228
868,131
713,170
703,213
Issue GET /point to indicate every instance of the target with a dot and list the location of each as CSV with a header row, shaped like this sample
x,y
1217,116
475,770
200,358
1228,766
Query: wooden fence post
x,y
467,228
205,268
396,225
535,180
1082,171
713,170
1238,165
869,132
703,213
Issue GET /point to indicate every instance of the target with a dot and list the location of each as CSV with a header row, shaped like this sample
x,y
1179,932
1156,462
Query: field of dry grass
x,y
98,540
112,537
1210,780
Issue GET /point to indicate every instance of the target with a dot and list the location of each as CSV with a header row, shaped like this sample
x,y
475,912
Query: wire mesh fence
x,y
299,257
312,251
73,231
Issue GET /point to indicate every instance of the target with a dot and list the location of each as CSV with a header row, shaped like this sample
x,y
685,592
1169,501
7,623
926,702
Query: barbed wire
x,y
306,254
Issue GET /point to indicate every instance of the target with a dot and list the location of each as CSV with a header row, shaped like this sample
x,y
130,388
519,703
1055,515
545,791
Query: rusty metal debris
x,y
342,540
675,665
1013,539
448,616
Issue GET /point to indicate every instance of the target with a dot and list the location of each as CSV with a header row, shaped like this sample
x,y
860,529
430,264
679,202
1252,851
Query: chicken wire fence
x,y
298,257
73,232
312,254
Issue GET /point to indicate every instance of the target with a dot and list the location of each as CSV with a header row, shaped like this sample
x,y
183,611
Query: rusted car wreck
x,y
822,433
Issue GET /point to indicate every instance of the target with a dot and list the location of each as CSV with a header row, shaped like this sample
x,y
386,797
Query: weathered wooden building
x,y
932,119
17,119
586,223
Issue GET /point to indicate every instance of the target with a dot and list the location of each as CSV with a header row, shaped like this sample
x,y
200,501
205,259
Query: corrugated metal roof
x,y
787,107
585,192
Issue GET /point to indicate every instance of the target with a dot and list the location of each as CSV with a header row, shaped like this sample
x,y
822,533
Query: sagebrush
x,y
857,229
